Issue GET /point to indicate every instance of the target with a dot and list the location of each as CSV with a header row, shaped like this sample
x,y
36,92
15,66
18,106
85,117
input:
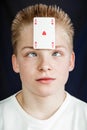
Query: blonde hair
x,y
25,17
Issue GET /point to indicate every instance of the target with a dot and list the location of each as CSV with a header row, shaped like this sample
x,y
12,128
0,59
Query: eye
x,y
32,54
57,54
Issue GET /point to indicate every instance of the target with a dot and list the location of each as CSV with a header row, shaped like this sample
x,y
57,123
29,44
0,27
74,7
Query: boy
x,y
43,103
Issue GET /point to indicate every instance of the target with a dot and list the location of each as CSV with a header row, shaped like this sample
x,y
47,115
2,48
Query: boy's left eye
x,y
32,54
56,54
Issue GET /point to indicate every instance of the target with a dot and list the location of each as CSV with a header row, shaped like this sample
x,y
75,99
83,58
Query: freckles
x,y
28,67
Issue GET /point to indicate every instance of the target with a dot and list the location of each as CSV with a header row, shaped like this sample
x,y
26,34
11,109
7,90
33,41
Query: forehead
x,y
26,36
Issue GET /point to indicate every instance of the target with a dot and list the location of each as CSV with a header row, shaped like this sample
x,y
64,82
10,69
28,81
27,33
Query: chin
x,y
46,92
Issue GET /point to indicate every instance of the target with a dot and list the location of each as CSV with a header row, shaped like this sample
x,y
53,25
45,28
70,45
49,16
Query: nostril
x,y
45,68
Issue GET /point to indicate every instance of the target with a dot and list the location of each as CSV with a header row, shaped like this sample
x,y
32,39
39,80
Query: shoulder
x,y
77,105
5,108
8,111
6,102
78,102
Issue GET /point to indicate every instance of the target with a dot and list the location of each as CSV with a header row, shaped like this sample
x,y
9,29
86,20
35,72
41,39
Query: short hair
x,y
25,17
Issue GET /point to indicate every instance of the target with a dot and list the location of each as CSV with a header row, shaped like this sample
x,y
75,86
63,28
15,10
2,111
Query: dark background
x,y
9,81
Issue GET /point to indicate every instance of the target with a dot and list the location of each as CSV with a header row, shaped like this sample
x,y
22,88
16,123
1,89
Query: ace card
x,y
44,33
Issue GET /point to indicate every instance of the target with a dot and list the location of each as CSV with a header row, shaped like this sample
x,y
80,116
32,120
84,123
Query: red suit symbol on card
x,y
35,44
35,21
52,44
52,21
44,33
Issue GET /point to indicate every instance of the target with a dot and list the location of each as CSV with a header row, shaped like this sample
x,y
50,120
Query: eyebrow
x,y
26,47
31,47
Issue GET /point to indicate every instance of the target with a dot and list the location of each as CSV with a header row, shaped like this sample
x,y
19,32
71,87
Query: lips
x,y
45,80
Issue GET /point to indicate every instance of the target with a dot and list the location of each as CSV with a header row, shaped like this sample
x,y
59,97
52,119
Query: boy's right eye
x,y
32,54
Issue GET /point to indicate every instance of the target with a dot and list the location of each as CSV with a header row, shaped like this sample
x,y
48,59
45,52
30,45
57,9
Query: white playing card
x,y
44,33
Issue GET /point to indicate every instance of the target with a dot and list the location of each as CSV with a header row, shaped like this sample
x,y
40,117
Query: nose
x,y
44,65
44,68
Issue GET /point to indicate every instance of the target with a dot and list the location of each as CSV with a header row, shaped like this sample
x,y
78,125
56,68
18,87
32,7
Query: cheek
x,y
23,72
62,64
26,65
62,69
26,70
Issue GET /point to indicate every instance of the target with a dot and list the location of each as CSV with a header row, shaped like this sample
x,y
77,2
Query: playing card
x,y
44,33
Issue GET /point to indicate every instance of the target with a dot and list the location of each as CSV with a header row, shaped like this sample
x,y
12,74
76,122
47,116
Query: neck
x,y
39,107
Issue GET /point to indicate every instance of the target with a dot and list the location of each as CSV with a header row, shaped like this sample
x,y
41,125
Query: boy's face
x,y
43,72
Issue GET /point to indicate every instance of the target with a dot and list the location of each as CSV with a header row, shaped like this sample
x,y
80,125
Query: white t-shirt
x,y
72,115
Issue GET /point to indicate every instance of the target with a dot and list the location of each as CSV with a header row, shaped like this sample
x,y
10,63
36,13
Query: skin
x,y
43,73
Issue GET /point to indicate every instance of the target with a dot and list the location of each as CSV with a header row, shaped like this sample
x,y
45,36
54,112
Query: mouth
x,y
45,80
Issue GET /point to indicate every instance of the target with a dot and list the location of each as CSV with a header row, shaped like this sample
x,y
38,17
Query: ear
x,y
72,61
15,63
